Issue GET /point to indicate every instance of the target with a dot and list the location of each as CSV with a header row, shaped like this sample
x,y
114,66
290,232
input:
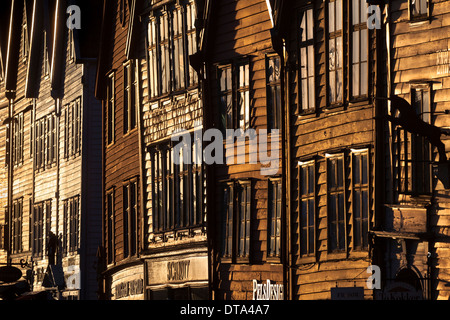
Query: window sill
x,y
130,132
334,108
337,255
359,101
307,114
274,260
418,21
306,260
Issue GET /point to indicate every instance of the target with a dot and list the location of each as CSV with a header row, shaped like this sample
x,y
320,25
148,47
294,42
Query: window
x,y
129,100
16,226
122,12
18,140
414,151
226,97
46,67
70,46
72,129
177,189
360,197
45,141
227,206
38,230
191,41
244,195
130,216
335,52
171,40
109,226
236,217
307,208
418,9
50,140
110,109
234,95
336,204
71,224
359,44
306,72
274,219
25,42
273,76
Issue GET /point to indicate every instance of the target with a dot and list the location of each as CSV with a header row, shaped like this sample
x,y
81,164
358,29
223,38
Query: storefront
x,y
177,276
127,283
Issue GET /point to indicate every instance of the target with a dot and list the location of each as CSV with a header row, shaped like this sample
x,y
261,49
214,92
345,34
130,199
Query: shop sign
x,y
347,293
267,291
129,288
177,270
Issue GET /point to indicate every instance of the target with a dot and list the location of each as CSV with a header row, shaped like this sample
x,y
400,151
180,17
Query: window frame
x,y
274,221
333,35
109,227
18,140
336,190
274,105
130,218
305,253
307,44
358,27
17,226
130,98
421,16
363,237
110,109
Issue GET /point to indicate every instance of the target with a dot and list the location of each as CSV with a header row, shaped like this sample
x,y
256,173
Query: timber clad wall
x,y
318,134
121,157
240,32
420,55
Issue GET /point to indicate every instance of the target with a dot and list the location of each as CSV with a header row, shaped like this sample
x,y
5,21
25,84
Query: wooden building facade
x,y
243,97
53,187
175,251
117,85
414,239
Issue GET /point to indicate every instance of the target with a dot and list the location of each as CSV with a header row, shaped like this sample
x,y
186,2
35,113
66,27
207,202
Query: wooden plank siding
x,y
328,130
240,29
121,160
420,54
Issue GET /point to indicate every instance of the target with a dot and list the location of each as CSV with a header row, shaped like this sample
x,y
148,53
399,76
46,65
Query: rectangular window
x,y
178,56
109,237
336,204
71,232
70,46
360,197
72,129
273,78
50,140
274,219
164,52
244,194
110,109
418,9
177,189
16,227
130,216
306,73
171,40
46,66
25,42
191,41
129,100
153,57
243,95
359,44
414,151
18,140
335,52
38,230
307,208
227,206
226,97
